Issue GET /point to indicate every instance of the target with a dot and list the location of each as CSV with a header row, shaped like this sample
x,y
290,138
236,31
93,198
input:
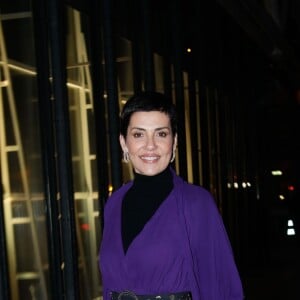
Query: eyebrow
x,y
156,129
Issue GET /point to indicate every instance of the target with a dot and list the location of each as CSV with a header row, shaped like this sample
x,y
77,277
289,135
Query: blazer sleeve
x,y
214,267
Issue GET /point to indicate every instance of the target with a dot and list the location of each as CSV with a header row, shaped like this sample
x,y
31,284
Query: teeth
x,y
150,158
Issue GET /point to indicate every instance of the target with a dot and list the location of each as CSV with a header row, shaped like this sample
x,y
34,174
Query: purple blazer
x,y
183,247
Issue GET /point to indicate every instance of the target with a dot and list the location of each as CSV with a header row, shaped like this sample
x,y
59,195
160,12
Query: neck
x,y
159,178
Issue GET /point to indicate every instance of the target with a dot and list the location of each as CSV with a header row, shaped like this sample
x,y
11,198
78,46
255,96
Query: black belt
x,y
128,295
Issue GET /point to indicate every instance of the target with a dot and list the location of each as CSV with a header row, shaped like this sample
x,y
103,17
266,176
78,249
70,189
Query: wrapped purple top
x,y
183,247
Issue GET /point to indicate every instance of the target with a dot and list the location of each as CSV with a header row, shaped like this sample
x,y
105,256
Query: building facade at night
x,y
66,69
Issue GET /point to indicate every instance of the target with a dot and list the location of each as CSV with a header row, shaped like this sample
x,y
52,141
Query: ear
x,y
175,142
123,143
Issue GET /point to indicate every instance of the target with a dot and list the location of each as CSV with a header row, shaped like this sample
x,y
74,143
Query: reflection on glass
x,y
21,156
82,127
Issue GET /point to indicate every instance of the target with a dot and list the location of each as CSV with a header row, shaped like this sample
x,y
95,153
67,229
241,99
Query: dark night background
x,y
249,50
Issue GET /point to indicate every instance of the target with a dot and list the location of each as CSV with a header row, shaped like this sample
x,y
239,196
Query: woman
x,y
163,237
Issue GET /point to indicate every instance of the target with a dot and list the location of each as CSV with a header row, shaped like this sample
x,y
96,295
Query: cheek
x,y
168,148
133,147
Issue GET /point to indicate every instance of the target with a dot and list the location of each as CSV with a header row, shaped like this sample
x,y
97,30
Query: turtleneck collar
x,y
153,181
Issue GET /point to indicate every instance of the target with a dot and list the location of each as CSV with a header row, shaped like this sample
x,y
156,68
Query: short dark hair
x,y
148,101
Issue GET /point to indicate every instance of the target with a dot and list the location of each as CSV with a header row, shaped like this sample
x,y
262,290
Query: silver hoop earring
x,y
173,156
126,157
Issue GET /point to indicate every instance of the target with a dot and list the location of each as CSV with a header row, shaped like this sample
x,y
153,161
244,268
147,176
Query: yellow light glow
x,y
276,173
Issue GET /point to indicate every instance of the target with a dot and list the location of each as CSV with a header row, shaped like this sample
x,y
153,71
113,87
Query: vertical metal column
x,y
136,46
203,92
99,104
112,94
193,127
64,156
47,146
4,274
167,49
148,49
179,88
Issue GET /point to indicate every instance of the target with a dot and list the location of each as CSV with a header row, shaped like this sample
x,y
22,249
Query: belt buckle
x,y
129,294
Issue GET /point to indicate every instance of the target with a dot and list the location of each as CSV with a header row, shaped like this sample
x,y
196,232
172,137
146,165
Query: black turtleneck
x,y
141,202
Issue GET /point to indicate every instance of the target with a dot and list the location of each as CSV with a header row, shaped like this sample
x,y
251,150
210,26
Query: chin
x,y
151,171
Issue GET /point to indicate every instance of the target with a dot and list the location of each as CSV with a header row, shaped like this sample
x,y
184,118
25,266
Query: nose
x,y
150,143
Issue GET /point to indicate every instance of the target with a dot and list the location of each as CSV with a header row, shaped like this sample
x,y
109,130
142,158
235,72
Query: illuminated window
x,y
290,229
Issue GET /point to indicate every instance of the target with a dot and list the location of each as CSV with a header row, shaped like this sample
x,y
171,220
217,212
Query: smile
x,y
149,158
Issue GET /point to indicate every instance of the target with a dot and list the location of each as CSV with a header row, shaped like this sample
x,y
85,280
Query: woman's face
x,y
149,142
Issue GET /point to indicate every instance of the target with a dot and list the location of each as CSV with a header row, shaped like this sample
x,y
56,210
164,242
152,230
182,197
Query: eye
x,y
137,134
162,133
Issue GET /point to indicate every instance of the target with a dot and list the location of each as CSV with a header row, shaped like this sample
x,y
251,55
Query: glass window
x,y
82,127
21,170
125,86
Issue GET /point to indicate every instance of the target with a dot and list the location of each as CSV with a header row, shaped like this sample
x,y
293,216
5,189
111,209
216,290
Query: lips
x,y
149,158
